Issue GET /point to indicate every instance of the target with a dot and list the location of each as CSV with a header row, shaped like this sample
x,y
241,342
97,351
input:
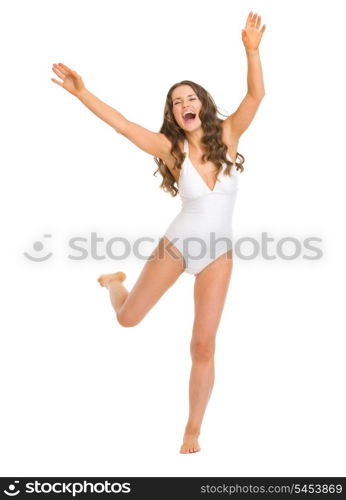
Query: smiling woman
x,y
196,153
190,111
189,116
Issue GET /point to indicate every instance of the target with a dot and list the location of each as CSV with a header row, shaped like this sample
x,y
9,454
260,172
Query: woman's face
x,y
185,101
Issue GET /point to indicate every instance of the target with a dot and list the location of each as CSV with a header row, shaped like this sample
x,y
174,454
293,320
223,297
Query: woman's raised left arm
x,y
239,121
251,36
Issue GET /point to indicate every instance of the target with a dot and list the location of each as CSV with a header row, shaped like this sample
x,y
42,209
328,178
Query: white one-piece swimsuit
x,y
202,230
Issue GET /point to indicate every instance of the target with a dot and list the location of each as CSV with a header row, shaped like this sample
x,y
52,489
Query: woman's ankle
x,y
192,429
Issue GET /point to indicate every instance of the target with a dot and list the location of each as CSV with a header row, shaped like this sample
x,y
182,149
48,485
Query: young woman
x,y
197,151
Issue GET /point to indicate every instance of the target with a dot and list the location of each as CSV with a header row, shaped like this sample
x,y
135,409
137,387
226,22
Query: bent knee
x,y
126,320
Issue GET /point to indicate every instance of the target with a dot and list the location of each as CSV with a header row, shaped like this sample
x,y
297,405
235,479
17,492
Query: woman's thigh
x,y
161,270
210,291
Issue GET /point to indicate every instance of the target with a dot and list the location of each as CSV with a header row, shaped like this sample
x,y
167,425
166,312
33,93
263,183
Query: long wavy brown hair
x,y
216,150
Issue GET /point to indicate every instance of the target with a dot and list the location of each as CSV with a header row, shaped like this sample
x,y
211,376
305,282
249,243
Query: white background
x,y
82,395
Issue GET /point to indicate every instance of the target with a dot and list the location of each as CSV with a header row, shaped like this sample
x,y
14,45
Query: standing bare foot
x,y
105,279
190,442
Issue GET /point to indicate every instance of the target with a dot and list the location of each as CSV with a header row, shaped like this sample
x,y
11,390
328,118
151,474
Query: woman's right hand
x,y
71,81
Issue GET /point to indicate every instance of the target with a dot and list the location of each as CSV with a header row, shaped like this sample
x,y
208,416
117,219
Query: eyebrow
x,y
191,95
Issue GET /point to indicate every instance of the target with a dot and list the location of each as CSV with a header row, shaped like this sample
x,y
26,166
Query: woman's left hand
x,y
252,35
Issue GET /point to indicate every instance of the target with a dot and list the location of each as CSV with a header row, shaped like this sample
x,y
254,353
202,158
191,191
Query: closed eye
x,y
177,102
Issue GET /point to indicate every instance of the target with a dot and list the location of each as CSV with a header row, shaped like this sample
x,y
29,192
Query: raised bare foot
x,y
190,442
105,279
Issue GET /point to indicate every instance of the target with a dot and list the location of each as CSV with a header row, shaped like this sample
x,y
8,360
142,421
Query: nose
x,y
187,105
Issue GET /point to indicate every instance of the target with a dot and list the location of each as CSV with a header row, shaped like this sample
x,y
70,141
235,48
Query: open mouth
x,y
189,117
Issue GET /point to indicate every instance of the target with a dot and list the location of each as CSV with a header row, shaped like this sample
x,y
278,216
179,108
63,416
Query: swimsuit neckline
x,y
186,150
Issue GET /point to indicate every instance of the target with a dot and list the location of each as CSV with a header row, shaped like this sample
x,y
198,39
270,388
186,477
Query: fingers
x,y
62,71
56,69
58,72
248,19
64,67
56,81
254,21
66,71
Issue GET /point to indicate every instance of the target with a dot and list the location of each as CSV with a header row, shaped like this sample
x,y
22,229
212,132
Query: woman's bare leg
x,y
211,286
114,284
158,274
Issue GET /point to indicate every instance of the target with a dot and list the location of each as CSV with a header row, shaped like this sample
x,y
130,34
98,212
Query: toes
x,y
103,279
121,276
184,448
189,448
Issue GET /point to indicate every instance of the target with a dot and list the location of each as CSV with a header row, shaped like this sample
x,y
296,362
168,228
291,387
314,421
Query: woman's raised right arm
x,y
73,83
153,143
102,110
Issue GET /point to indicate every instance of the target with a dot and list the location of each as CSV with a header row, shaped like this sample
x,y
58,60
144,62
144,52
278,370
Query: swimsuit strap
x,y
186,146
